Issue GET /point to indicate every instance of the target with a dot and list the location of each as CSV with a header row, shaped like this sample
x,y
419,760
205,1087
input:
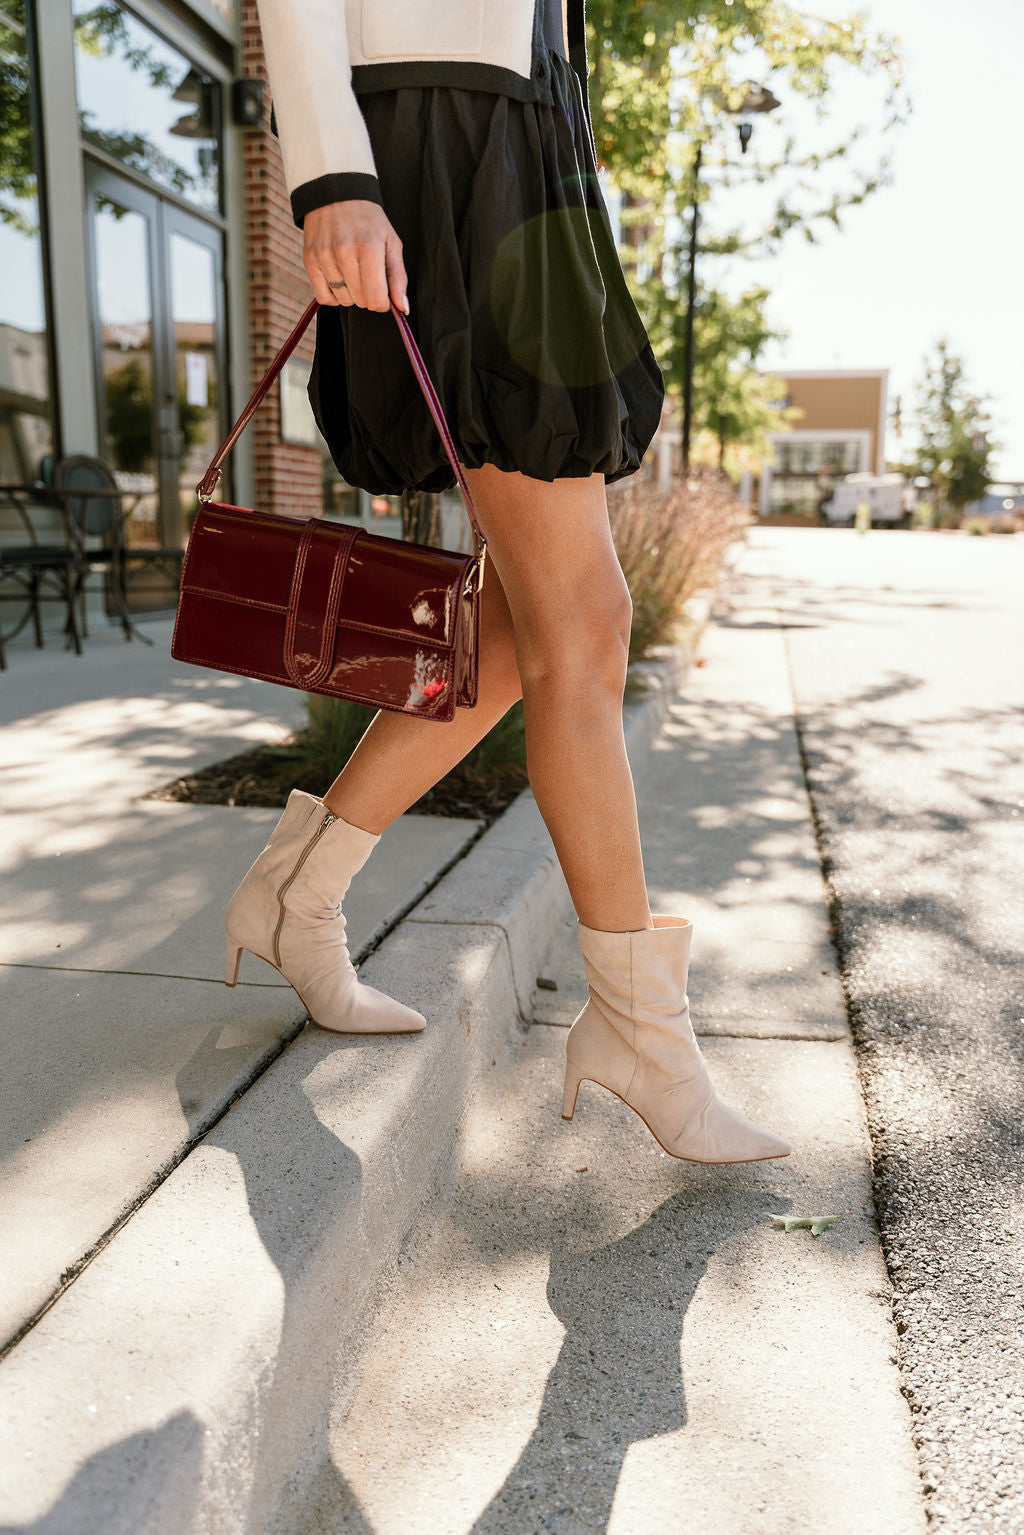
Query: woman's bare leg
x,y
563,597
552,546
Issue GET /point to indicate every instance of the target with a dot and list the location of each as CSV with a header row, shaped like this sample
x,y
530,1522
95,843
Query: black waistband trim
x,y
459,73
470,75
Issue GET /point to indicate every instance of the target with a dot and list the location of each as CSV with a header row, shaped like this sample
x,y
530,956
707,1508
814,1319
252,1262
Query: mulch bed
x,y
263,776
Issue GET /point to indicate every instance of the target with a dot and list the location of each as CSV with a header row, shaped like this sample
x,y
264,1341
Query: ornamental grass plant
x,y
671,544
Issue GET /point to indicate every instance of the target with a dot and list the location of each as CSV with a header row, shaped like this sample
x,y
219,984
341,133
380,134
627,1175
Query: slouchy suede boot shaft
x,y
634,1037
288,911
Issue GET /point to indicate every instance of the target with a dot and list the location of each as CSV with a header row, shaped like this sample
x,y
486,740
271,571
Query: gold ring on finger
x,y
341,283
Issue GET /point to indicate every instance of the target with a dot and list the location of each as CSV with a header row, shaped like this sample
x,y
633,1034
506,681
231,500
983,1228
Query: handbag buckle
x,y
207,485
475,577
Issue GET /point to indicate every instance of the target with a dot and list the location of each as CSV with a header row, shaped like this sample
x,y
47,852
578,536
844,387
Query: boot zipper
x,y
328,820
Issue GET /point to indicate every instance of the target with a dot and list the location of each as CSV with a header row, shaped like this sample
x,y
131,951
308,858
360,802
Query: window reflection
x,y
194,312
26,433
126,326
146,104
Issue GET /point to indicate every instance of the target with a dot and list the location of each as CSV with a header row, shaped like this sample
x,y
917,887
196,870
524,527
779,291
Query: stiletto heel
x,y
234,959
570,1091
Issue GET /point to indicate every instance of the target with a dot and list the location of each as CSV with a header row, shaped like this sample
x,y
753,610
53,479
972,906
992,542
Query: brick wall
x,y
288,477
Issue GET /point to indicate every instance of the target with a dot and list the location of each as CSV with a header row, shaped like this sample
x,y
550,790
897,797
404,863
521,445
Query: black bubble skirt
x,y
517,299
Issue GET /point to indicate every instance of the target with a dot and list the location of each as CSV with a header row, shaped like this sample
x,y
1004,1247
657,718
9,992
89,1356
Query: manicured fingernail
x,y
405,302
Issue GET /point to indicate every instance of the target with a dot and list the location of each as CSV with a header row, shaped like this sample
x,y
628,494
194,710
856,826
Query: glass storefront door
x,y
196,342
158,321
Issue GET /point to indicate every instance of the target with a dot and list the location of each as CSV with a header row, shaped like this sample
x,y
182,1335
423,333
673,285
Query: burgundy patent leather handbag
x,y
322,605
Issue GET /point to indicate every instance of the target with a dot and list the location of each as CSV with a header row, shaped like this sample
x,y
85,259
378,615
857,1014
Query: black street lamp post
x,y
757,99
691,306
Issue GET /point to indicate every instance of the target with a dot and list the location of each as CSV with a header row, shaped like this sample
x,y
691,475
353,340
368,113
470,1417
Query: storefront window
x,y
146,104
840,457
26,428
804,473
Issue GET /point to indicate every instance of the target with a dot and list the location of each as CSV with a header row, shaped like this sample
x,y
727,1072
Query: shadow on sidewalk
x,y
110,1480
618,1378
169,1479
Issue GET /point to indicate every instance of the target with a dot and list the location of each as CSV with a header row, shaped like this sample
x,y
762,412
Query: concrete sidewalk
x,y
303,1329
120,1044
591,1336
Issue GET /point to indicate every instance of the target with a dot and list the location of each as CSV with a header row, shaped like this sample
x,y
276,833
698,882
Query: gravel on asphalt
x,y
905,653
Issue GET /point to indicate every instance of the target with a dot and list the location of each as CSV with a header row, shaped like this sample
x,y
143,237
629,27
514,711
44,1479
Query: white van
x,y
888,495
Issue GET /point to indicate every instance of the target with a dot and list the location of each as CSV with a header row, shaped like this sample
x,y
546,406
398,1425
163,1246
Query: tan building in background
x,y
841,431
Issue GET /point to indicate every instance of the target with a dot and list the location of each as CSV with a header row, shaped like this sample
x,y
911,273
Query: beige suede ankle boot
x,y
635,1038
288,911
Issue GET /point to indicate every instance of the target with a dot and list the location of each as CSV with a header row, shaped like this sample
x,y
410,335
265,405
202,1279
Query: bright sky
x,y
941,250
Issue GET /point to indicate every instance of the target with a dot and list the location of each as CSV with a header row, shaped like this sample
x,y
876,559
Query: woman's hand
x,y
354,242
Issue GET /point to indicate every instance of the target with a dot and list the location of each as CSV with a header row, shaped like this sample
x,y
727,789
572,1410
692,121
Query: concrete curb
x,y
184,1382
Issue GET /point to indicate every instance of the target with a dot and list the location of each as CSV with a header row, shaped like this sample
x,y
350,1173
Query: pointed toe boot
x,y
288,911
634,1037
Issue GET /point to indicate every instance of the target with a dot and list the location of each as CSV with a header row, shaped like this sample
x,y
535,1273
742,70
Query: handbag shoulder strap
x,y
208,484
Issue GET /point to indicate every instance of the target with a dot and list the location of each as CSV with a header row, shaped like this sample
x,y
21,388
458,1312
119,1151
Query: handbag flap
x,y
347,578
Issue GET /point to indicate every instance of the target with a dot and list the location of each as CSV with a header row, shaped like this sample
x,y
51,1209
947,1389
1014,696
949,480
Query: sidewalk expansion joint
x,y
389,924
263,1064
496,927
804,1038
160,975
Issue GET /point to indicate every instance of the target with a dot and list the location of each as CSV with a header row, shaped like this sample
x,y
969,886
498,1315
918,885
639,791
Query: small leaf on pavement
x,y
816,1223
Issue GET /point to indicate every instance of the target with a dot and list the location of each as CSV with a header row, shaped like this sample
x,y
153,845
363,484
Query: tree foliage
x,y
667,75
734,401
955,449
17,171
666,78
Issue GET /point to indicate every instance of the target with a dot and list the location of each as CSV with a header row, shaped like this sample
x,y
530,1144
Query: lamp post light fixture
x,y
756,99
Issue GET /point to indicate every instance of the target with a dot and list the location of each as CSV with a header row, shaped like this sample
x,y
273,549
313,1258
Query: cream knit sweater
x,y
322,53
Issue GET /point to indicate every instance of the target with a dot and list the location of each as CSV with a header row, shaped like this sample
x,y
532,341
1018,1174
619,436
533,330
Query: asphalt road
x,y
907,660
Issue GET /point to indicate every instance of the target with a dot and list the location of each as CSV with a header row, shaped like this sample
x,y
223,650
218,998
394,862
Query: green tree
x,y
735,403
17,172
955,448
665,77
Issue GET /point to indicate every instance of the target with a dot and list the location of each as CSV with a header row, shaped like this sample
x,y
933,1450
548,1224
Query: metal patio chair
x,y
96,508
33,569
93,505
